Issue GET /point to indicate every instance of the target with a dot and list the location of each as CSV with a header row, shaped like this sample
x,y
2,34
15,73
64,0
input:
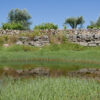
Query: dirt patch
x,y
46,72
25,73
86,73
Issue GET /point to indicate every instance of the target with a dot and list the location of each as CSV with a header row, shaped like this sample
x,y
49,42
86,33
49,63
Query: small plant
x,y
45,26
94,25
58,38
12,39
12,26
20,16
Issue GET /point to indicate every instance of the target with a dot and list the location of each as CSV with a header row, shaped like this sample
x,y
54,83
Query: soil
x,y
46,72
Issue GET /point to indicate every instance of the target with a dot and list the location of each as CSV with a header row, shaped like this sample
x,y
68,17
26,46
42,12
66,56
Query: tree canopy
x,y
44,26
74,21
20,16
95,24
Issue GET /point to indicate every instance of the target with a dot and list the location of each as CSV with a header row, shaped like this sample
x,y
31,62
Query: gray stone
x,y
45,38
37,44
74,38
92,44
83,43
31,43
23,38
36,38
19,43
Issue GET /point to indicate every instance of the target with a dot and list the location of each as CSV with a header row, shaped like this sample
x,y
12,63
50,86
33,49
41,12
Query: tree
x,y
74,22
12,26
45,26
94,24
20,16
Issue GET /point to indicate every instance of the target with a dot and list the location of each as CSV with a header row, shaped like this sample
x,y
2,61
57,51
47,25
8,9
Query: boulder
x,y
6,45
19,43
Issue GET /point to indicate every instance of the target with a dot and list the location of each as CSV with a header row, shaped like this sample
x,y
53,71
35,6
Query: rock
x,y
92,44
86,73
31,43
37,44
29,72
19,43
23,38
36,38
26,43
83,43
6,45
44,38
74,38
40,71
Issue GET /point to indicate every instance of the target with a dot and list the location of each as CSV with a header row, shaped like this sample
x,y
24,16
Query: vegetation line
x,y
52,60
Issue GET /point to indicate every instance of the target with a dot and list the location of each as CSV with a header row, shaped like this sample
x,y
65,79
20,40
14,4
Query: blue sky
x,y
53,10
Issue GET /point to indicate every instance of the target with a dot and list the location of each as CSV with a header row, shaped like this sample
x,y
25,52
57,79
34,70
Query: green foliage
x,y
90,26
45,26
75,21
20,16
95,25
17,48
50,89
56,56
13,26
1,41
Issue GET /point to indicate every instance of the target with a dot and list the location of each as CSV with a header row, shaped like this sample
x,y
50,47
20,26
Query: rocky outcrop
x,y
85,37
37,41
86,73
24,73
12,32
90,37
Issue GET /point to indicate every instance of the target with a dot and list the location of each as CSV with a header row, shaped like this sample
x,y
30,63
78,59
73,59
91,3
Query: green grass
x,y
50,89
69,56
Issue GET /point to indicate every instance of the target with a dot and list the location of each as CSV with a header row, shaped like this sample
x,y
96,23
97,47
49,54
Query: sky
x,y
55,11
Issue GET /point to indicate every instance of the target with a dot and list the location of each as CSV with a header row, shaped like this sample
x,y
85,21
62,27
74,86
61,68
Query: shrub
x,y
90,27
58,38
45,26
12,26
74,21
93,27
20,16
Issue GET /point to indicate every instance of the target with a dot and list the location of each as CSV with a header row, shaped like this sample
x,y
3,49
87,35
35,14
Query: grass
x,y
50,89
68,56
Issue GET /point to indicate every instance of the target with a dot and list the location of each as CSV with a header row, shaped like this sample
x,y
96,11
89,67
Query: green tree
x,y
74,22
94,24
20,16
45,26
12,26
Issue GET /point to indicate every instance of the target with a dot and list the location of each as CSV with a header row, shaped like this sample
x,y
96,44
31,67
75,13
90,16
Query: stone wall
x,y
11,32
85,37
37,41
90,37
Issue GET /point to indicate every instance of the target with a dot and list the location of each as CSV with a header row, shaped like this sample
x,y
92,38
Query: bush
x,y
45,26
75,21
90,27
93,27
12,26
20,16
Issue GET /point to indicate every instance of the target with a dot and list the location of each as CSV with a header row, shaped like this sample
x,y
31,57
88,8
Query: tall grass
x,y
69,56
50,89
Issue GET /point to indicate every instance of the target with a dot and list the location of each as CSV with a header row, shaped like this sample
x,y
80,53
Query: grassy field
x,y
50,89
63,56
68,56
